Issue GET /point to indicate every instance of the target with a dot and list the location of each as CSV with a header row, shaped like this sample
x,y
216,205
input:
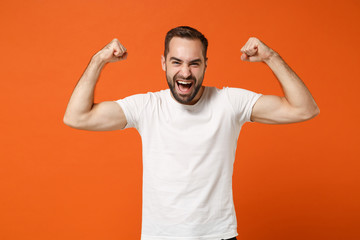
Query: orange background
x,y
297,181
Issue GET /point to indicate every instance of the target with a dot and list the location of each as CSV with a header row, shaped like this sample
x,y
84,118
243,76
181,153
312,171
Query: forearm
x,y
296,93
82,98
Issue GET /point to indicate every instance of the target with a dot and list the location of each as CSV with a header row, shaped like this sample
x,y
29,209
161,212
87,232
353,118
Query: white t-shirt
x,y
188,156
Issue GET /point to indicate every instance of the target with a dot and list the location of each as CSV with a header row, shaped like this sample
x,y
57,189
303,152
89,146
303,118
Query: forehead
x,y
185,49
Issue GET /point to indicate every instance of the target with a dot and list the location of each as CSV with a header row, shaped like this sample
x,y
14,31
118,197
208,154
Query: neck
x,y
198,96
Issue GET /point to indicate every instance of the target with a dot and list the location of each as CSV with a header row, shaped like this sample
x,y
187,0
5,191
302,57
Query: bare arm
x,y
81,112
296,105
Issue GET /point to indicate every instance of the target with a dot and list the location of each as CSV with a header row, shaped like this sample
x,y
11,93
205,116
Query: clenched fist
x,y
256,51
112,52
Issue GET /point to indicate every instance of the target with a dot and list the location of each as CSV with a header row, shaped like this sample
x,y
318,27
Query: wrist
x,y
97,60
273,57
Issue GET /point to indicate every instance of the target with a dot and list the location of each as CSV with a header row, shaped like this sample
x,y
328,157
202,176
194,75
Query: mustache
x,y
179,77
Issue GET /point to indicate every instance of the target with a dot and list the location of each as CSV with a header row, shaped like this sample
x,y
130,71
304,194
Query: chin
x,y
186,99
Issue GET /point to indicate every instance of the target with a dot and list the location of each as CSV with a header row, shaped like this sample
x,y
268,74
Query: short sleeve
x,y
133,107
242,101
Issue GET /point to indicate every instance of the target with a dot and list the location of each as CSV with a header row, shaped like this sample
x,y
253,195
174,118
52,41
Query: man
x,y
189,132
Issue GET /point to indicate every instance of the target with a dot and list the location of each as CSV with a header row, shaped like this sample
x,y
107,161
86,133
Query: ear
x,y
206,62
163,62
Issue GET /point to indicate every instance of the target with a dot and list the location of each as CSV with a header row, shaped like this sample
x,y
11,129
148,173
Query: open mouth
x,y
184,86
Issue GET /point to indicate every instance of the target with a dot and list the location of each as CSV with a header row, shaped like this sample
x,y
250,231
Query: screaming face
x,y
185,68
184,89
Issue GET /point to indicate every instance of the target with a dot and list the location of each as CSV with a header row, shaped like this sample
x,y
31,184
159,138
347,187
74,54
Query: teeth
x,y
182,82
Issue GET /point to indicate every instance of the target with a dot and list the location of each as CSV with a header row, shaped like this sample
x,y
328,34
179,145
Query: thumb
x,y
124,56
244,57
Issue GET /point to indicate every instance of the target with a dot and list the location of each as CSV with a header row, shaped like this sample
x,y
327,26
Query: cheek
x,y
198,72
169,75
171,72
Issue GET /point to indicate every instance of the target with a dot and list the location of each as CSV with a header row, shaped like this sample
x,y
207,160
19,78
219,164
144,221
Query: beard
x,y
184,98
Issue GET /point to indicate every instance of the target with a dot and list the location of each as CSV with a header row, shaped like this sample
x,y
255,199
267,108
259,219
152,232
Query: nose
x,y
185,71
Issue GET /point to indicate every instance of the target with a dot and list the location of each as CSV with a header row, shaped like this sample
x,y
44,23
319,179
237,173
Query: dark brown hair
x,y
188,33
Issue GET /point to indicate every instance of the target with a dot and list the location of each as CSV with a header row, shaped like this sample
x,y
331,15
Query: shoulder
x,y
227,90
230,92
233,90
213,92
240,93
146,96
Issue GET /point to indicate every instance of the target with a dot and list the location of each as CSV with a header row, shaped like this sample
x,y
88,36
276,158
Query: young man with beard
x,y
189,132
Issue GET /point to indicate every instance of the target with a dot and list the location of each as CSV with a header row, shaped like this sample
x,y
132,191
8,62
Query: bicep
x,y
105,116
274,110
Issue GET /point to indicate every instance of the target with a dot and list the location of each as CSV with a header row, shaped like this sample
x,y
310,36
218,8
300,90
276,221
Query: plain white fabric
x,y
188,157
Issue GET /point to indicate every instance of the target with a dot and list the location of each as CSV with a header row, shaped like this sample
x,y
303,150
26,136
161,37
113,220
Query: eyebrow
x,y
179,60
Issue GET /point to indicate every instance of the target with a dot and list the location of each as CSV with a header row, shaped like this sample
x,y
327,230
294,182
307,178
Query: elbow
x,y
67,121
310,113
76,121
316,111
71,122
